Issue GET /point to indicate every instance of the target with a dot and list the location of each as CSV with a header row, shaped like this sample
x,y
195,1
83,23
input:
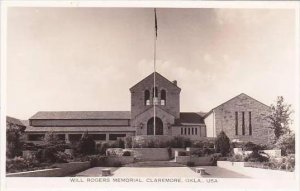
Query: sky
x,y
86,59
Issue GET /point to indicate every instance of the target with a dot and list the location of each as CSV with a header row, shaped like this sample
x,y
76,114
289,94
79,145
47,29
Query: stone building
x,y
241,117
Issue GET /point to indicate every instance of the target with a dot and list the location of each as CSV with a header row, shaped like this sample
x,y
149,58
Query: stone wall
x,y
172,98
150,154
225,119
112,160
198,161
63,169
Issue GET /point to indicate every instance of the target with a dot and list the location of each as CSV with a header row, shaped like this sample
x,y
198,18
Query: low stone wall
x,y
177,149
198,161
63,169
113,160
141,141
150,154
272,153
239,167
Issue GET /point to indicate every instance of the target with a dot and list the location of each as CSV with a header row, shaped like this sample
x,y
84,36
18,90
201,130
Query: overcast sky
x,y
88,58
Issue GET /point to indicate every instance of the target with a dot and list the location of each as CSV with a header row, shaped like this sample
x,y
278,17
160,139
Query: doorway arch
x,y
159,130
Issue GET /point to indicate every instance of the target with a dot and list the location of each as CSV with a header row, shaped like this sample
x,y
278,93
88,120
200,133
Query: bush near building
x,y
87,144
222,144
286,143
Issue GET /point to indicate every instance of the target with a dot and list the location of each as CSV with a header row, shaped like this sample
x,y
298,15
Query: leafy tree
x,y
222,144
14,141
280,118
87,144
51,138
286,143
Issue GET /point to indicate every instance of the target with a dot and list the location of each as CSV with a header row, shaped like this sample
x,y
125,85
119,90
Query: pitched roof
x,y
82,115
230,100
189,118
14,121
150,75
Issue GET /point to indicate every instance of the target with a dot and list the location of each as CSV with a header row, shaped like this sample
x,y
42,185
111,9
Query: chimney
x,y
174,82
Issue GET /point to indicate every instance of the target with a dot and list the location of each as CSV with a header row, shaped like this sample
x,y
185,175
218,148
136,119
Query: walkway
x,y
214,172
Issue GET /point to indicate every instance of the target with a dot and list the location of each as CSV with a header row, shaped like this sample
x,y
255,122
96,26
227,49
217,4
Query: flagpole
x,y
154,67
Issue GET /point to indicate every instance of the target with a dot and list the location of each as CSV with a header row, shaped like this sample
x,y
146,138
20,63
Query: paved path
x,y
214,172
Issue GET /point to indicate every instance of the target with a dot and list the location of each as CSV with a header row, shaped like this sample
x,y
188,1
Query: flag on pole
x,y
155,23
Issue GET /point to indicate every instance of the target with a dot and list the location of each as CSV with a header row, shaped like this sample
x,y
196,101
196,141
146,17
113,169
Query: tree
x,y
280,118
222,144
86,144
286,143
51,138
14,141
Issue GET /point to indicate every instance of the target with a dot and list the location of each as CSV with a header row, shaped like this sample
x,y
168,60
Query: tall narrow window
x,y
250,125
185,131
236,123
147,97
196,129
243,123
193,131
189,131
155,96
181,131
163,97
154,92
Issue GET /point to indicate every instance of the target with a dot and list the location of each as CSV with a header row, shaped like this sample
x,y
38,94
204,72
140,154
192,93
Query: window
x,y
250,125
147,97
196,129
163,97
189,131
243,123
61,137
75,137
236,123
154,92
113,137
36,137
181,131
185,131
98,137
192,131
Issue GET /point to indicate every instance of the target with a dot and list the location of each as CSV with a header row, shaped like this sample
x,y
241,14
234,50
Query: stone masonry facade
x,y
226,120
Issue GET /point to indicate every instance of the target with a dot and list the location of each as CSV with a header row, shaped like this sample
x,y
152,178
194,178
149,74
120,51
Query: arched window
x,y
163,97
147,97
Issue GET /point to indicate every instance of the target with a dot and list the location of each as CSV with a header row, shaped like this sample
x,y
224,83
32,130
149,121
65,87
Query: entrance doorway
x,y
159,130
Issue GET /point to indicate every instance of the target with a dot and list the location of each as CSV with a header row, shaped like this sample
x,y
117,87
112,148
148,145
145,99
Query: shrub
x,y
198,152
180,142
190,163
236,158
101,148
128,142
286,143
256,157
61,157
126,153
249,146
182,153
86,144
208,151
14,141
120,143
96,160
222,144
214,158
